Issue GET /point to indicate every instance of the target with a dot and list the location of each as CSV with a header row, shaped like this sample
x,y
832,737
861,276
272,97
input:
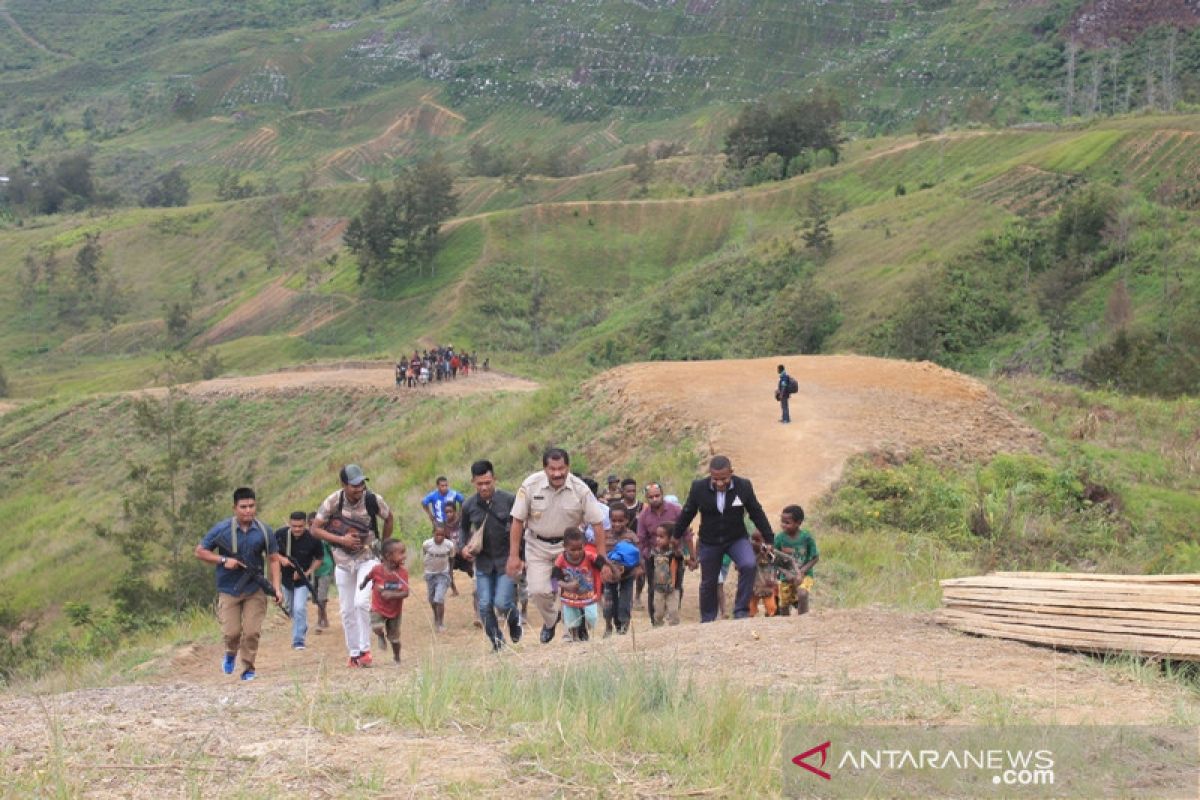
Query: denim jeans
x,y
297,600
742,553
497,594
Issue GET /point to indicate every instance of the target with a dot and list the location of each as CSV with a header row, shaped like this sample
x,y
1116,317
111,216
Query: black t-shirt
x,y
305,549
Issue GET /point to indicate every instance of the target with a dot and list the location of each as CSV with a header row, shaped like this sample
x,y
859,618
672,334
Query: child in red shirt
x,y
576,577
390,587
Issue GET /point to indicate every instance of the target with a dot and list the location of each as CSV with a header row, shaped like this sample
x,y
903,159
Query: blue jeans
x,y
711,555
297,600
497,594
783,405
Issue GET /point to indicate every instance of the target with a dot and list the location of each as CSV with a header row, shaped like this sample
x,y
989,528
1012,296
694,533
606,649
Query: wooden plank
x,y
1164,592
1140,645
1069,635
1069,600
1187,598
1167,619
1096,576
1095,625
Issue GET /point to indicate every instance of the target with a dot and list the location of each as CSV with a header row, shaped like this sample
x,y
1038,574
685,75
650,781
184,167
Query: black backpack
x,y
793,387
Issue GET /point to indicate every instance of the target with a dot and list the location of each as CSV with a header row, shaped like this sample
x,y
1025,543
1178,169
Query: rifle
x,y
254,576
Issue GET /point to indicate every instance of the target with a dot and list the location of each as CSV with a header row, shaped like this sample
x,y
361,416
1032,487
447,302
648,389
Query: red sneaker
x,y
353,662
365,660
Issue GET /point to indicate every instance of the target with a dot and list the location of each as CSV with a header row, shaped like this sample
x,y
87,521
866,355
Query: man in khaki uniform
x,y
549,502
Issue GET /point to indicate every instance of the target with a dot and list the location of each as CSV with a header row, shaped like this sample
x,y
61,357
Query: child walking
x,y
575,577
665,576
800,545
436,553
389,587
626,563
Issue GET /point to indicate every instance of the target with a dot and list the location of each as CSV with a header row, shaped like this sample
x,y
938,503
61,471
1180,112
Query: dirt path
x,y
846,405
180,722
7,16
353,376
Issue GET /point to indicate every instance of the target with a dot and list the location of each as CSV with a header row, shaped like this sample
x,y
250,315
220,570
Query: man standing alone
x,y
348,521
549,502
785,388
722,501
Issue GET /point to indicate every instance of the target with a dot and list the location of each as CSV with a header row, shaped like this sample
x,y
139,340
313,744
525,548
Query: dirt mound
x,y
846,405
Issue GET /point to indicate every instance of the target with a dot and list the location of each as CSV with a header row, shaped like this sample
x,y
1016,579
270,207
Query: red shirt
x,y
384,578
586,573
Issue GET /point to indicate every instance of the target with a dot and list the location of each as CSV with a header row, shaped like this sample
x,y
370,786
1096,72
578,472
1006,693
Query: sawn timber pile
x,y
1147,615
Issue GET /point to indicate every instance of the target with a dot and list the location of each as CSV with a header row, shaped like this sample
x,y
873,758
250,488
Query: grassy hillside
x,y
341,90
576,273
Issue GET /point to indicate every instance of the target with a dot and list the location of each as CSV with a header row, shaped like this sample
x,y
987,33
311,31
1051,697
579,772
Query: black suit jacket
x,y
717,527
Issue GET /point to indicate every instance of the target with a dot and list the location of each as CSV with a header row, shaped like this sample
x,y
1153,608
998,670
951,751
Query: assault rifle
x,y
253,576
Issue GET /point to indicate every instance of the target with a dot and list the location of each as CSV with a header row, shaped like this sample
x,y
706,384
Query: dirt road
x,y
179,721
352,376
846,405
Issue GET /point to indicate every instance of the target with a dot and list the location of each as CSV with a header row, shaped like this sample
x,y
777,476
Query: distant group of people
x,y
576,551
438,364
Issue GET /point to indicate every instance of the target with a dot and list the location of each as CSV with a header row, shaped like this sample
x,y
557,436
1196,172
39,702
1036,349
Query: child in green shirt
x,y
800,545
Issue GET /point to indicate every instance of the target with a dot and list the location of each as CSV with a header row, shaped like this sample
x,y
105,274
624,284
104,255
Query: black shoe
x,y
581,632
547,634
514,629
497,645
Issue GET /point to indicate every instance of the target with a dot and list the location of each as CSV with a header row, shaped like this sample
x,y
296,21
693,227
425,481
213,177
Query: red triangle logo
x,y
823,749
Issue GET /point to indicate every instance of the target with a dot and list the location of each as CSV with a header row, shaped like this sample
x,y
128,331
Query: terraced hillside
x,y
268,282
342,89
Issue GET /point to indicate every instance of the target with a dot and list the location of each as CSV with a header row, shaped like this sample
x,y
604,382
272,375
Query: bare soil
x,y
181,725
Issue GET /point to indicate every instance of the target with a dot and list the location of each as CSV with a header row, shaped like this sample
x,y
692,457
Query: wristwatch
x,y
222,561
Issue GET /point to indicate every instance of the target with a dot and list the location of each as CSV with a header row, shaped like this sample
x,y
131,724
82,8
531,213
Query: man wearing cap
x,y
549,502
723,501
348,520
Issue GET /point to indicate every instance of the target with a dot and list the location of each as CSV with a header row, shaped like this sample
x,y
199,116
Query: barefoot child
x,y
436,553
800,545
665,576
389,588
575,577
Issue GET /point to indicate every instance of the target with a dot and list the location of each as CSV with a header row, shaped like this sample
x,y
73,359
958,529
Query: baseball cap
x,y
352,475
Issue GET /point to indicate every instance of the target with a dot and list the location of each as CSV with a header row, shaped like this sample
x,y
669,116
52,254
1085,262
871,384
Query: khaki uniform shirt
x,y
547,512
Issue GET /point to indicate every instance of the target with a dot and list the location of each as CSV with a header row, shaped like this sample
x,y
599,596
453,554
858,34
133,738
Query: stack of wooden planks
x,y
1145,615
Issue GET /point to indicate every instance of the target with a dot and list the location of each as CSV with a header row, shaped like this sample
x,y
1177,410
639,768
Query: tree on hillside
x,y
643,168
397,232
174,491
805,126
169,189
817,236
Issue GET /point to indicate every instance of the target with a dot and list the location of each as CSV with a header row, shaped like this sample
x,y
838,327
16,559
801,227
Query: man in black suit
x,y
723,502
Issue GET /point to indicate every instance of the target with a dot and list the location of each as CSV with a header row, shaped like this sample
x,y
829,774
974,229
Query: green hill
x,y
268,282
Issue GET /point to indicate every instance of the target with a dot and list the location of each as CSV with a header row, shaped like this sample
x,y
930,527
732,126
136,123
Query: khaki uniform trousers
x,y
241,621
539,562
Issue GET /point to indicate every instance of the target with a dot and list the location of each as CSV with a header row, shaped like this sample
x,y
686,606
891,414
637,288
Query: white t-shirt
x,y
437,556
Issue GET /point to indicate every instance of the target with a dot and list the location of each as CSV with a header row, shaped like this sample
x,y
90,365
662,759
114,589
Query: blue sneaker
x,y
248,675
229,662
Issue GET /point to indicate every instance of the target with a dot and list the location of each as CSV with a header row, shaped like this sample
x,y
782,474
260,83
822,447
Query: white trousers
x,y
355,604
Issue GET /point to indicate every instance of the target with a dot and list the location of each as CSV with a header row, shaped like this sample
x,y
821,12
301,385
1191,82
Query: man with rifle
x,y
241,547
349,521
300,554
